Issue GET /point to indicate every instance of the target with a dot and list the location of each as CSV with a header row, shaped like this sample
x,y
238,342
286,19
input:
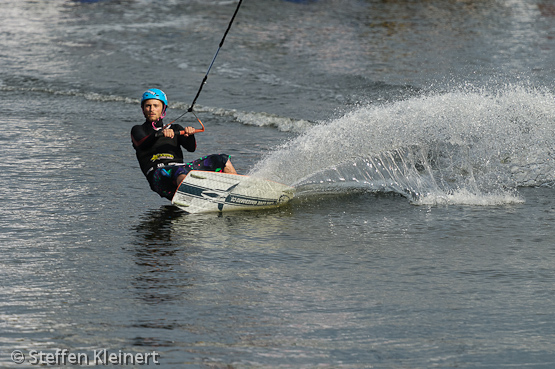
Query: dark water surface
x,y
420,137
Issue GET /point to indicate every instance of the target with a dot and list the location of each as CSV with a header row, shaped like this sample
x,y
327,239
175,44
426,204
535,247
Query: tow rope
x,y
190,110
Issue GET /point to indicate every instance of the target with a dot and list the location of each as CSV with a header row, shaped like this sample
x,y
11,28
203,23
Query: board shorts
x,y
163,180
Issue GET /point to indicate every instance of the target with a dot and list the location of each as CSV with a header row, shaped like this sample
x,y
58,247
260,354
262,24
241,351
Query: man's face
x,y
152,110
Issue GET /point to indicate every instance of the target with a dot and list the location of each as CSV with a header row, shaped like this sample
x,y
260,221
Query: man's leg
x,y
180,179
229,168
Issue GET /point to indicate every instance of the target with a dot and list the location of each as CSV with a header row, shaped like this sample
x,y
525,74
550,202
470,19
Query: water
x,y
419,136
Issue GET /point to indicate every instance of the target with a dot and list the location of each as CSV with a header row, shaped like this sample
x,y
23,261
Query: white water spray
x,y
461,147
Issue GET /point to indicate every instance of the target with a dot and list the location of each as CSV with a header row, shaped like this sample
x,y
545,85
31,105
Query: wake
x,y
463,147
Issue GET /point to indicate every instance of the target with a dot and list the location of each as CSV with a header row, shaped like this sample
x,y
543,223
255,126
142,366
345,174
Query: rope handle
x,y
182,133
197,130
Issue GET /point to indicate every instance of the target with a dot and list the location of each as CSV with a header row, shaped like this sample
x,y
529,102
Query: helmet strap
x,y
154,125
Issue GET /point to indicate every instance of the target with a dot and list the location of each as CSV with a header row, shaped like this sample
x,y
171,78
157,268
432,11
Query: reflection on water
x,y
193,276
167,238
161,257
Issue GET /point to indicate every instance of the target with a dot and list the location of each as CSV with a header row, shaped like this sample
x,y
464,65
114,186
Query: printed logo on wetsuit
x,y
161,157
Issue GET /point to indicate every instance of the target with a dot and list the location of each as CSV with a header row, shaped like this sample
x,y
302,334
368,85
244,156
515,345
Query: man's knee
x,y
229,168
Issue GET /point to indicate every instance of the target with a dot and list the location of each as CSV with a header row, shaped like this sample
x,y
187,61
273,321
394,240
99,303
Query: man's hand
x,y
189,131
168,133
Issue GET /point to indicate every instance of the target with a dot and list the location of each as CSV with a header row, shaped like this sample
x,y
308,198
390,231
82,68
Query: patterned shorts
x,y
163,181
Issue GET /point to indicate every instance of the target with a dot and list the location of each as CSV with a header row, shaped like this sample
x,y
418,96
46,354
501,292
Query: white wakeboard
x,y
204,192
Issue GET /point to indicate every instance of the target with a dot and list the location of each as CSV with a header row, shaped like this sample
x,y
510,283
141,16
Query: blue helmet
x,y
155,93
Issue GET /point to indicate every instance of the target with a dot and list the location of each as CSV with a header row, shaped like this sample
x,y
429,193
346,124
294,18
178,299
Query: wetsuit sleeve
x,y
141,138
188,143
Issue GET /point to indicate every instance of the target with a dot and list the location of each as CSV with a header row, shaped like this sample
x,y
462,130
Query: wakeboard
x,y
204,192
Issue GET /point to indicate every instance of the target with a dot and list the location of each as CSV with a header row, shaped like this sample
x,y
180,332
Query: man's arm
x,y
188,142
141,138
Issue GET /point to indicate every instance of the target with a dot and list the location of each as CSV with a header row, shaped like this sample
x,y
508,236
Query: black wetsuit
x,y
158,152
